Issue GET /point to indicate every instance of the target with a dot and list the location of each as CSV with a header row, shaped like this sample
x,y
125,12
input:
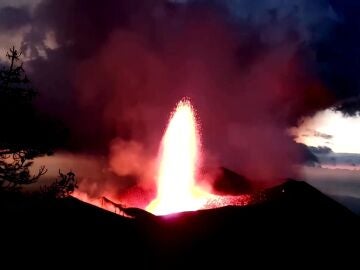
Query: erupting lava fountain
x,y
179,159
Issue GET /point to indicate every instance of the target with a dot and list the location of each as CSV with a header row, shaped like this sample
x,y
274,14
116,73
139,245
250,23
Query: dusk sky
x,y
267,72
345,131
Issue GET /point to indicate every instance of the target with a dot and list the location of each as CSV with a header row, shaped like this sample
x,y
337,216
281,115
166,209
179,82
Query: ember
x,y
179,161
180,156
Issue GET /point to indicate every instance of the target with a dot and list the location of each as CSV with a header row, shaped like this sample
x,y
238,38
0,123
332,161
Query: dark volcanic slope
x,y
292,221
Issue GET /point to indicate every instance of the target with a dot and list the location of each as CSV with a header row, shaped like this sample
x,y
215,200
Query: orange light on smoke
x,y
179,160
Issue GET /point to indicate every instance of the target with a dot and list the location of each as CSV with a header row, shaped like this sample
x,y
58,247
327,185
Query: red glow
x,y
179,160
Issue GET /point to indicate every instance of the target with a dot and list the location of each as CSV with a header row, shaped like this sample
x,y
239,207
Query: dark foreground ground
x,y
291,225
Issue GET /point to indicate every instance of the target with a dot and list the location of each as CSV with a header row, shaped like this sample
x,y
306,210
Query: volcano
x,y
292,220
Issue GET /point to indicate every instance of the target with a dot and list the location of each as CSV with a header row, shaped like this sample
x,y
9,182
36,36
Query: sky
x,y
344,130
14,38
17,3
332,129
252,68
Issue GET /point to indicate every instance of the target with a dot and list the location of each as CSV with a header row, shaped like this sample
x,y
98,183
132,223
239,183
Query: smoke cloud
x,y
252,69
13,18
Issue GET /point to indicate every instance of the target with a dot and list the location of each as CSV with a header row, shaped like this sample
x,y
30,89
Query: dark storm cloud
x,y
338,56
13,18
320,150
315,133
81,28
252,68
328,32
325,33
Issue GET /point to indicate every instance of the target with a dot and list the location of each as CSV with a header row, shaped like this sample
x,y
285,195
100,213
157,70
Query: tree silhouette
x,y
63,187
24,133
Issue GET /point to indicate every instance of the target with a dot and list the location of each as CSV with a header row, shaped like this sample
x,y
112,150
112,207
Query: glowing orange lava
x,y
179,160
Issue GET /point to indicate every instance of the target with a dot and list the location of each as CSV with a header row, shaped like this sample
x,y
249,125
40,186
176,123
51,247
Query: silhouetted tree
x,y
63,187
24,133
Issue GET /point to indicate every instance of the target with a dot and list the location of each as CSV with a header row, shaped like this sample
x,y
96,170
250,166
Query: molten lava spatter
x,y
179,160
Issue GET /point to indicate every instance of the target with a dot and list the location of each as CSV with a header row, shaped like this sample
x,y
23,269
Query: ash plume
x,y
252,69
13,18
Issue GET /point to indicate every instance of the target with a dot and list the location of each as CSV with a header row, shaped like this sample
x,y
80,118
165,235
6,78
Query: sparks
x,y
179,160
